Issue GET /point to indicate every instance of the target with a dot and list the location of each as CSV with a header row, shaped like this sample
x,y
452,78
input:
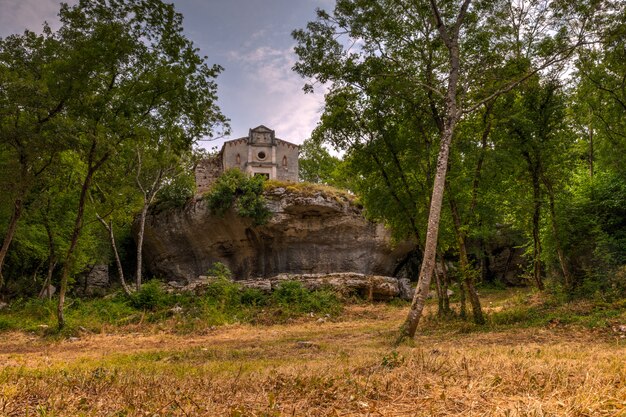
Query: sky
x,y
251,39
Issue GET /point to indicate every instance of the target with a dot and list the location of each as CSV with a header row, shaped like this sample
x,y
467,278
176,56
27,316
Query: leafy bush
x,y
244,193
293,298
219,270
151,296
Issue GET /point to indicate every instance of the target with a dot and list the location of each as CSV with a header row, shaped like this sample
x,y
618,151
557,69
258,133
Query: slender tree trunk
x,y
591,155
52,261
142,224
536,234
438,286
444,286
428,262
467,272
567,278
462,299
78,225
18,206
450,36
118,262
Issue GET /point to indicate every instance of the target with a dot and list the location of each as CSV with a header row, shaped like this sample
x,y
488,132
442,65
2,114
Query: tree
x,y
535,125
33,123
133,75
461,56
318,166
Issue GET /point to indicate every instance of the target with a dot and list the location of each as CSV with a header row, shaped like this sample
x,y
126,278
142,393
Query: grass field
x,y
316,366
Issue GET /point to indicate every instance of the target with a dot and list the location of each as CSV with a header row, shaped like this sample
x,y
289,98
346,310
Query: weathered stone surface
x,y
94,281
373,287
307,234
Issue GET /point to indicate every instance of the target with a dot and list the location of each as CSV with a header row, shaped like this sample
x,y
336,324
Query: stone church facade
x,y
259,153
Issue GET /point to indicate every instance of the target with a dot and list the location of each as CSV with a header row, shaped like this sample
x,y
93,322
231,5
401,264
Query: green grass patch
x,y
221,302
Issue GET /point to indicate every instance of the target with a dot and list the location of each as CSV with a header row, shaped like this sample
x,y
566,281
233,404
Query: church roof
x,y
260,129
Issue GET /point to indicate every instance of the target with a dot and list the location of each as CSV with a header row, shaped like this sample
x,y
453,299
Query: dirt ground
x,y
316,367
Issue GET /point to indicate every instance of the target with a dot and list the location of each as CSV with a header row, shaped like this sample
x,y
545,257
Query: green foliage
x,y
292,298
235,189
175,194
220,271
318,166
393,360
595,234
222,301
150,296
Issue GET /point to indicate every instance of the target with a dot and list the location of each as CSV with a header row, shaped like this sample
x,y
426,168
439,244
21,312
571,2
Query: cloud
x,y
278,99
18,15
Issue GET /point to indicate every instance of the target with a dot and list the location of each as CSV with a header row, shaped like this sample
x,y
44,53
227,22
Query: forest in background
x,y
524,99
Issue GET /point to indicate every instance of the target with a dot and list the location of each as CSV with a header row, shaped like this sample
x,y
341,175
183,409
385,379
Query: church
x,y
259,153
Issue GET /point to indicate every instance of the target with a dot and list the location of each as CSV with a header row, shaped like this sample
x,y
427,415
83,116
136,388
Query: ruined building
x,y
259,153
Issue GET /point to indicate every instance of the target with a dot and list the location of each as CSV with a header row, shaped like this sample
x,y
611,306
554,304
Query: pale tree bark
x,y
149,193
443,282
118,262
52,260
450,37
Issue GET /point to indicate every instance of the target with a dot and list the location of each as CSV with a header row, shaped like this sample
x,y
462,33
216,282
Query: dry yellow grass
x,y
349,368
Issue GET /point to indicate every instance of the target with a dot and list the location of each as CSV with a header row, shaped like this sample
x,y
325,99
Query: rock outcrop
x,y
371,287
310,232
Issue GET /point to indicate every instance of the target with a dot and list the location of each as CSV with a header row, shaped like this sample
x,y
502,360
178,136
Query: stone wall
x,y
235,154
287,161
207,172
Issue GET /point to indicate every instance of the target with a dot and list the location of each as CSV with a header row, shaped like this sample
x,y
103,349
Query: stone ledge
x,y
373,287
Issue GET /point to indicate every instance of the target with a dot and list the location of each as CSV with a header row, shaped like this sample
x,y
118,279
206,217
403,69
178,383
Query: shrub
x,y
235,189
293,298
151,296
219,270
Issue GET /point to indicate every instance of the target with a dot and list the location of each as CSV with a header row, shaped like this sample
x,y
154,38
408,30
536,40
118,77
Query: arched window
x,y
285,160
238,159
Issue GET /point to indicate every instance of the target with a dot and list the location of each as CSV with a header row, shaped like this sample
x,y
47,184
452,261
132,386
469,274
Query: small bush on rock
x,y
244,193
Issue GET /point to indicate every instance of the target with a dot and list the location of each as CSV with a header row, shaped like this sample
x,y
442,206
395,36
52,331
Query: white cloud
x,y
18,15
278,99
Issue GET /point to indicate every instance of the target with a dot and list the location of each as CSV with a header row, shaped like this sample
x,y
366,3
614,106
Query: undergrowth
x,y
221,302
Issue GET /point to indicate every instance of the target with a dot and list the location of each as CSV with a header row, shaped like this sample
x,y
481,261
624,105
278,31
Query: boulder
x,y
373,287
309,232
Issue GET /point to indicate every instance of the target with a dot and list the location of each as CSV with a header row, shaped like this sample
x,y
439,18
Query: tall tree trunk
x,y
118,262
92,167
142,224
467,272
567,278
432,233
536,233
18,206
534,169
52,260
78,225
439,288
445,298
591,155
450,36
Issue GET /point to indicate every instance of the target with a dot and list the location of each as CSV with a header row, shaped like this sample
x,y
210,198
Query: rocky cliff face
x,y
309,233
